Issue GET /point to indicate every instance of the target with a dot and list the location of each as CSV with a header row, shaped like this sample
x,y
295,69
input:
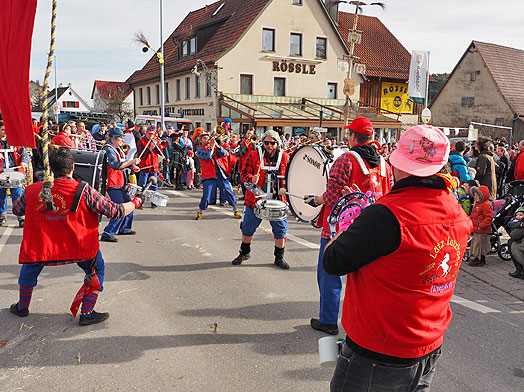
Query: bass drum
x,y
307,174
91,167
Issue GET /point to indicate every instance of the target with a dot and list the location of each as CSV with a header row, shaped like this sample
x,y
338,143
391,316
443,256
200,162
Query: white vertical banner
x,y
418,74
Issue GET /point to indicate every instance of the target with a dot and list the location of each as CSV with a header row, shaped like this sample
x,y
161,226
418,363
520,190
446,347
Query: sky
x,y
95,39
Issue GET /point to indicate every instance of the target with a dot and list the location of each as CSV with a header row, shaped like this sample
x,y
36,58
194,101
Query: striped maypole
x,y
45,194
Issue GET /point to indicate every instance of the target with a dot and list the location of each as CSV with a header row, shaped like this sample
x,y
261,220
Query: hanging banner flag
x,y
394,98
17,19
418,74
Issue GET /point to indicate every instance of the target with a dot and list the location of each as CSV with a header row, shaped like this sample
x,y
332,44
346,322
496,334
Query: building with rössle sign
x,y
262,63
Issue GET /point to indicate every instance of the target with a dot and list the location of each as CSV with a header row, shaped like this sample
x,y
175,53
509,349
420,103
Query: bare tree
x,y
36,92
116,107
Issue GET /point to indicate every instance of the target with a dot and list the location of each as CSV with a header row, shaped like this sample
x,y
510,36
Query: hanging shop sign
x,y
394,98
292,67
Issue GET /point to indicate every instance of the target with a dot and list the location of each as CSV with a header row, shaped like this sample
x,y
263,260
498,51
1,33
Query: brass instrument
x,y
218,131
254,139
126,148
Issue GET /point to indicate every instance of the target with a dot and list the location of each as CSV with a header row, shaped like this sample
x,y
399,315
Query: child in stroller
x,y
516,243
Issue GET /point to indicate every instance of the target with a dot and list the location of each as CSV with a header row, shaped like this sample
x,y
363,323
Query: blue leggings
x,y
225,189
115,226
29,272
330,288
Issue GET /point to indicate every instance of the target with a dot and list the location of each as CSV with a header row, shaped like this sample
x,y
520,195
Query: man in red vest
x,y
116,182
67,233
363,169
401,256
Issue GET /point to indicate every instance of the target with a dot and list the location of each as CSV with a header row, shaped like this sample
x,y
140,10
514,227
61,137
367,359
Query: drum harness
x,y
270,171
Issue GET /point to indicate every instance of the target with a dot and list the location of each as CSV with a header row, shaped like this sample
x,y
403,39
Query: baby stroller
x,y
511,201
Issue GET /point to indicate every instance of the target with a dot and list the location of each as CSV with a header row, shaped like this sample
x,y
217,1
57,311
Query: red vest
x,y
115,178
398,305
250,199
376,180
208,165
61,234
148,158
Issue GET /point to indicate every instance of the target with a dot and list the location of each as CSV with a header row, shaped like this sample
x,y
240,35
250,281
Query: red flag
x,y
17,19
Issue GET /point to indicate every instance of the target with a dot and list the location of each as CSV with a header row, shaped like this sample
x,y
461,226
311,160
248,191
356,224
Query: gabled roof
x,y
506,66
51,94
61,91
380,51
108,89
236,16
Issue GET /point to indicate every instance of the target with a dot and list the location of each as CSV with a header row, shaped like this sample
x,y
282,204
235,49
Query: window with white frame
x,y
280,87
192,45
332,91
268,40
185,49
295,44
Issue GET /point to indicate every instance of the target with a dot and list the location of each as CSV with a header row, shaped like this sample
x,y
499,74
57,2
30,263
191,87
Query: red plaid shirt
x,y
94,202
339,176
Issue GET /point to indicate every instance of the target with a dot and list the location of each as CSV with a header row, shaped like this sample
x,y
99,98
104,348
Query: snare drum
x,y
91,167
12,179
272,210
132,190
307,173
157,198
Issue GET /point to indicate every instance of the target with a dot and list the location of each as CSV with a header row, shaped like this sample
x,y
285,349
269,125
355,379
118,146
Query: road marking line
x,y
5,237
176,193
473,305
517,311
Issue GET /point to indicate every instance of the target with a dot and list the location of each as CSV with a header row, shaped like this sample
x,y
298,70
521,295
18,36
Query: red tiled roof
x,y
239,13
505,65
380,51
107,89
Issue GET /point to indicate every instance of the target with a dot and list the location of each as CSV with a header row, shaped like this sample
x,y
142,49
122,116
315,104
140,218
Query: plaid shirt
x,y
340,176
89,144
94,201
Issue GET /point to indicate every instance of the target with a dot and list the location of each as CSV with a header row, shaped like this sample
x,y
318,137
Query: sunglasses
x,y
267,143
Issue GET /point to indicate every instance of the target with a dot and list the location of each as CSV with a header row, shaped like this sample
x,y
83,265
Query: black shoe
x,y
130,232
517,275
281,263
93,318
240,258
19,312
330,329
108,239
153,205
474,263
21,223
3,222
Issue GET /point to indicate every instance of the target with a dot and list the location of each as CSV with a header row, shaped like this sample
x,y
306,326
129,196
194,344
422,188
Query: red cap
x,y
361,125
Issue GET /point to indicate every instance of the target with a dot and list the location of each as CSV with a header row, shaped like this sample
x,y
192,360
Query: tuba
x,y
218,131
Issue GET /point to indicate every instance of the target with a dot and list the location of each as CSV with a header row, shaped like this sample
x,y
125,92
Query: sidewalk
x,y
495,273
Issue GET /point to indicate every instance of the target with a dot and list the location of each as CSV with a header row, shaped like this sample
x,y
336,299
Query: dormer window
x,y
219,8
184,48
192,45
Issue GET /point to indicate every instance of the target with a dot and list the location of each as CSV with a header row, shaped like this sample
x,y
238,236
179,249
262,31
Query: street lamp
x,y
353,38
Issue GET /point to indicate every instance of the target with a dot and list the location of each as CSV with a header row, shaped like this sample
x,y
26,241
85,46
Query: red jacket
x,y
207,161
62,140
250,168
60,234
482,211
519,167
416,282
150,156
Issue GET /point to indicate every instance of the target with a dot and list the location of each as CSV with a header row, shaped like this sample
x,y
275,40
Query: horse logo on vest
x,y
444,265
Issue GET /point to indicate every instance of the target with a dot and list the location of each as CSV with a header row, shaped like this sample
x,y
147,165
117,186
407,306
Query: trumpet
x,y
126,148
254,139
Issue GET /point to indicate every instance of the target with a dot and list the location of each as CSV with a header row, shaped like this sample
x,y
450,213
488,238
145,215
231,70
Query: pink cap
x,y
421,151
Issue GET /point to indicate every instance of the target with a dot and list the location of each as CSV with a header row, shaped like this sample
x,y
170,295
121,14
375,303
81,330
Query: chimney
x,y
332,8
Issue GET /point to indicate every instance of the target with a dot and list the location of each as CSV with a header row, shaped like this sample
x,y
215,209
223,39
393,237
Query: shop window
x,y
246,84
321,48
295,44
268,40
332,91
280,87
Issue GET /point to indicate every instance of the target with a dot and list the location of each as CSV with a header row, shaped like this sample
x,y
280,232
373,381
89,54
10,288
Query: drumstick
x,y
147,167
282,191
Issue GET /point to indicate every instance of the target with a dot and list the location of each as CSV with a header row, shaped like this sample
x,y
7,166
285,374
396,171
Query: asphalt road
x,y
184,319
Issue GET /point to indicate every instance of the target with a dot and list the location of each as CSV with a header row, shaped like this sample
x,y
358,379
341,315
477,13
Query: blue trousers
x,y
213,196
250,223
15,194
142,180
330,288
115,226
29,272
212,183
